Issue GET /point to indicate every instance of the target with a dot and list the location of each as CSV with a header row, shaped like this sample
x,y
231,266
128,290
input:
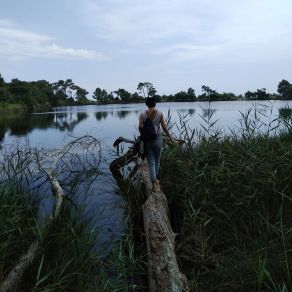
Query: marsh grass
x,y
67,260
230,202
17,226
134,243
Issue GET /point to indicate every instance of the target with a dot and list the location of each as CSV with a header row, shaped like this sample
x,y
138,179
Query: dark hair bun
x,y
150,102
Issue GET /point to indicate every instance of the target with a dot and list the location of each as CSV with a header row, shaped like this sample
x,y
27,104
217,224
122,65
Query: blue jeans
x,y
153,151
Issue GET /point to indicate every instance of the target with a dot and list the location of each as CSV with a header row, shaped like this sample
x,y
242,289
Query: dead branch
x,y
13,278
41,160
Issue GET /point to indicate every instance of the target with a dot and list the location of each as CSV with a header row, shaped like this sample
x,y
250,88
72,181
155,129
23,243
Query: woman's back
x,y
155,119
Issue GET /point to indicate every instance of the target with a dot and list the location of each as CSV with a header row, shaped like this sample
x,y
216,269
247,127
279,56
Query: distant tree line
x,y
41,92
65,92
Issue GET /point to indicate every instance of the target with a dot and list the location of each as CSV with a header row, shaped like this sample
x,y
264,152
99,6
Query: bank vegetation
x,y
42,95
229,197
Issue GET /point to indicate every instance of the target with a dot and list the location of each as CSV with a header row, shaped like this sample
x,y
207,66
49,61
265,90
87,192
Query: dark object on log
x,y
122,140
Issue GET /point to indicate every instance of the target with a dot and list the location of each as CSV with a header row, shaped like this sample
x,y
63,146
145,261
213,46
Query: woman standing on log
x,y
153,145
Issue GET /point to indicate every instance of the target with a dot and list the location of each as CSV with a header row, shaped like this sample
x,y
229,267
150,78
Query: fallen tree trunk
x,y
163,271
13,278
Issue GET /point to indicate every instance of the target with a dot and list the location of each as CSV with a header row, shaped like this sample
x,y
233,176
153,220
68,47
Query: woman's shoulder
x,y
159,113
143,114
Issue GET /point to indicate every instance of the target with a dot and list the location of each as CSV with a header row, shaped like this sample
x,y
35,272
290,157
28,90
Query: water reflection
x,y
68,121
116,114
189,112
101,115
22,123
122,114
192,111
115,120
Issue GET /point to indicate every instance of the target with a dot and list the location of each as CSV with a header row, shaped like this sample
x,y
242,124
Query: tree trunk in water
x,y
163,272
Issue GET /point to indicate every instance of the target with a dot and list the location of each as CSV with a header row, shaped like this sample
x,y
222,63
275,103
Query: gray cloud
x,y
189,29
226,44
16,43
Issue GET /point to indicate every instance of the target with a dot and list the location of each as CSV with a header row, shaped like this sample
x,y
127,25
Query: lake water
x,y
108,122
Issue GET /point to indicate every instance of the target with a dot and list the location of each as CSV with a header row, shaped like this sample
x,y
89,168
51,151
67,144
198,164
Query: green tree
x,y
209,94
147,89
191,93
249,95
111,96
65,89
4,93
157,97
260,94
70,88
2,82
42,91
100,94
228,96
166,97
123,94
80,93
208,90
59,86
136,97
181,96
285,89
23,92
18,88
59,92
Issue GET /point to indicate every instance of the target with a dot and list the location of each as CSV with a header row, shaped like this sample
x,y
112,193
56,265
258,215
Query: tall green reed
x,y
230,201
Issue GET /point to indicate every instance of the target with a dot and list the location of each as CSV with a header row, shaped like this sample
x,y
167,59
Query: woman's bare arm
x,y
141,122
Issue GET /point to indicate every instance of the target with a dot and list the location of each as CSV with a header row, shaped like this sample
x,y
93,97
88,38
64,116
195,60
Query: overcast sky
x,y
229,45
